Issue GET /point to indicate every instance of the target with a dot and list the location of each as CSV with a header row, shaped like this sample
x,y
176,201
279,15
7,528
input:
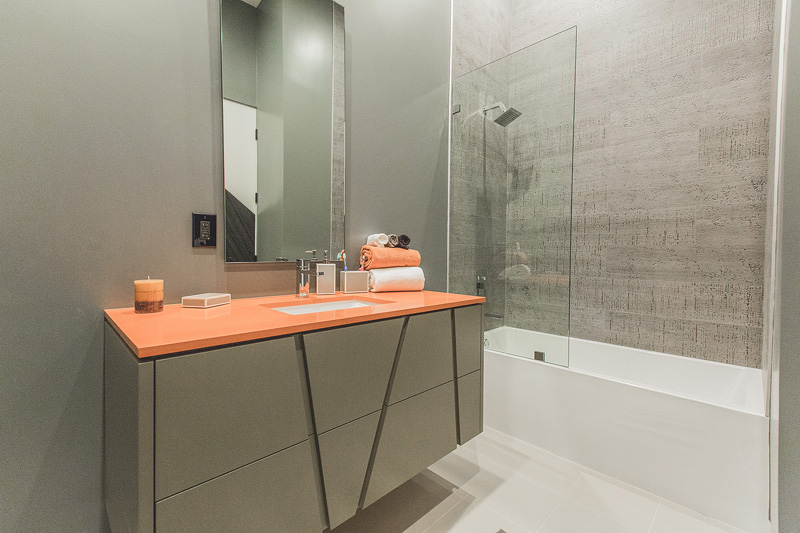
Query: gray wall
x,y
788,372
239,58
671,142
307,103
111,138
270,122
481,33
398,57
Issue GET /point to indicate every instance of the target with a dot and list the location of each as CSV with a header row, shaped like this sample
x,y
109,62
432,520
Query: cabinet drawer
x,y
416,433
469,338
349,370
426,357
470,407
344,453
218,410
277,493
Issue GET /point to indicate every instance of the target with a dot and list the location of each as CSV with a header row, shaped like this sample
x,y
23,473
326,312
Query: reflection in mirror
x,y
283,127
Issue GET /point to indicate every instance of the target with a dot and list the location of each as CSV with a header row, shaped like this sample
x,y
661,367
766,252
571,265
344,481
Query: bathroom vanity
x,y
248,418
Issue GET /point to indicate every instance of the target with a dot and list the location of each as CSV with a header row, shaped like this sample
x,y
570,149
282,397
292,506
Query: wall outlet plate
x,y
204,230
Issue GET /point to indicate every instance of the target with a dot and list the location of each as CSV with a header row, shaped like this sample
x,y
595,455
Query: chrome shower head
x,y
507,116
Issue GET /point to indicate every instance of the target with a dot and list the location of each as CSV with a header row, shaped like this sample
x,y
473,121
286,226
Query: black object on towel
x,y
403,241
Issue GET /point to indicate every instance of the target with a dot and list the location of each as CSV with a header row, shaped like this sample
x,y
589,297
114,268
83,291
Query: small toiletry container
x,y
326,278
206,300
355,281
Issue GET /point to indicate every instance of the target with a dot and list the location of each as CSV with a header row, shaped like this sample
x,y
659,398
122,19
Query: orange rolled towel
x,y
379,257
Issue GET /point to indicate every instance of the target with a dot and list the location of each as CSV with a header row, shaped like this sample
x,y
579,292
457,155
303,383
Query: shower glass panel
x,y
511,196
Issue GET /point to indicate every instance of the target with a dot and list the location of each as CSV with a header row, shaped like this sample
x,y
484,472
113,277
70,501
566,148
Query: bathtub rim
x,y
660,390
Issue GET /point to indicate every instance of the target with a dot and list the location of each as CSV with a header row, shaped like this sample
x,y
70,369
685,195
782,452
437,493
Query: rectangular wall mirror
x,y
283,128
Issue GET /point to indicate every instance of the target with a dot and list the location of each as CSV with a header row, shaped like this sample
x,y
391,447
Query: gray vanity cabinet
x,y
291,434
349,369
344,455
470,412
221,409
128,437
426,355
468,338
417,432
276,493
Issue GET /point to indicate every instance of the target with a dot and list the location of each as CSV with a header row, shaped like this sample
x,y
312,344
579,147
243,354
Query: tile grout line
x,y
563,498
653,521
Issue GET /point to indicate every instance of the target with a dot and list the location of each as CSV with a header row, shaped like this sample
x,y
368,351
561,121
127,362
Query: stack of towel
x,y
392,265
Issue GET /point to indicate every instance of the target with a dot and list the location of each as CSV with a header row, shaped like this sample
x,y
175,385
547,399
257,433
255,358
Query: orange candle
x,y
148,295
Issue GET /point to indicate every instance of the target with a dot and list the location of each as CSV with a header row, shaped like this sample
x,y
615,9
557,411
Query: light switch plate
x,y
204,230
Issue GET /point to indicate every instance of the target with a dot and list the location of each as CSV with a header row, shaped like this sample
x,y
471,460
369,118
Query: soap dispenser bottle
x,y
326,276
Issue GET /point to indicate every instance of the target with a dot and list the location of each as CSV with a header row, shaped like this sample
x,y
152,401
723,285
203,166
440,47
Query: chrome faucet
x,y
305,273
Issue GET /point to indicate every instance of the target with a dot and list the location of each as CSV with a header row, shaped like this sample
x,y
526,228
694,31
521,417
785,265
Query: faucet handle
x,y
313,254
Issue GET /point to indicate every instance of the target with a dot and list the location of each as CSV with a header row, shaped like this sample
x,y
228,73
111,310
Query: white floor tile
x,y
599,506
672,518
471,516
497,482
521,484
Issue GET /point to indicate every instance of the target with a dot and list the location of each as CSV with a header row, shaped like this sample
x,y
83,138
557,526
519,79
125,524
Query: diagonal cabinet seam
x,y
313,439
382,418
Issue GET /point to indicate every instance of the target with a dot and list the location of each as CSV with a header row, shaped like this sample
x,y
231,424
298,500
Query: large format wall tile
x,y
478,189
481,29
671,144
670,167
542,86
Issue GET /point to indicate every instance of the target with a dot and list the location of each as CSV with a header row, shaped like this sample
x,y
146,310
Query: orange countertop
x,y
180,329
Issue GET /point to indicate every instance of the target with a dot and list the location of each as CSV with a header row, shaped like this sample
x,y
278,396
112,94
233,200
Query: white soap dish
x,y
206,300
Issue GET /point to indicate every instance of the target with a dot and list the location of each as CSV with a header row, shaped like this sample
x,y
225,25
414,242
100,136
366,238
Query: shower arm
x,y
494,106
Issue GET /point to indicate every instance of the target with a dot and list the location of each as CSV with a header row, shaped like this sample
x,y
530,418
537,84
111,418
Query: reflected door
x,y
241,165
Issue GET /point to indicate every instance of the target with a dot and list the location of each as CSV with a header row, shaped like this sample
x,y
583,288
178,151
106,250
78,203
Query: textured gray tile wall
x,y
672,118
542,87
481,32
337,133
671,141
478,189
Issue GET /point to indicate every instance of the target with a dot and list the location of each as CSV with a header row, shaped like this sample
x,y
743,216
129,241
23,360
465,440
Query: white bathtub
x,y
688,430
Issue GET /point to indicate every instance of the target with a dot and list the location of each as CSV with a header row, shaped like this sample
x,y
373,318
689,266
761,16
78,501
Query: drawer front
x,y
426,357
349,370
469,338
416,433
277,493
470,407
344,453
218,410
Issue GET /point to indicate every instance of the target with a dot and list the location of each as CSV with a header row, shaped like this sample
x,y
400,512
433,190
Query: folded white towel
x,y
396,279
377,239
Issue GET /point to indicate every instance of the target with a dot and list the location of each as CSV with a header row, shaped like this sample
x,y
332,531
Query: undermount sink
x,y
302,309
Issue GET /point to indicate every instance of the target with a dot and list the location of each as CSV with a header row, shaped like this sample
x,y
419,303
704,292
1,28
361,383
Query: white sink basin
x,y
302,309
